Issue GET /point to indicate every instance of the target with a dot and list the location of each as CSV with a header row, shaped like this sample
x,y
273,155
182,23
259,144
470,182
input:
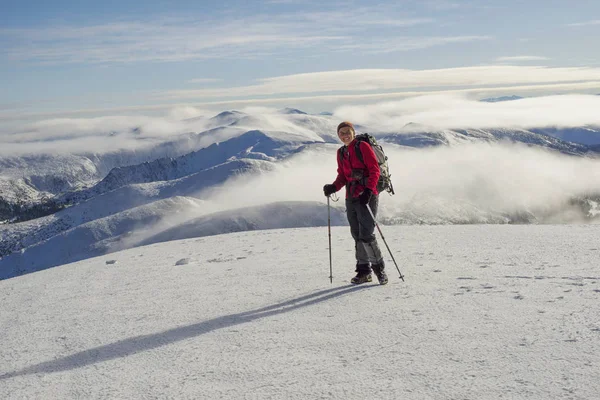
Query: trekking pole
x,y
329,230
386,245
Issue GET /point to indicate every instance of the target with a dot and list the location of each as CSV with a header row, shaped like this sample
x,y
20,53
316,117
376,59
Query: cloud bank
x,y
434,111
455,111
445,184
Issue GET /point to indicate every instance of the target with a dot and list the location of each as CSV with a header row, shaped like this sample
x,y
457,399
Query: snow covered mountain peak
x,y
226,118
288,110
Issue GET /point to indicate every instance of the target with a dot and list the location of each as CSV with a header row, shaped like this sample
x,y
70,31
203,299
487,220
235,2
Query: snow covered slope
x,y
162,220
268,216
587,135
90,239
16,237
486,312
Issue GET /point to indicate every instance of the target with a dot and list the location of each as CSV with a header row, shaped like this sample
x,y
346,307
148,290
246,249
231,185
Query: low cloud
x,y
456,111
111,133
443,111
442,184
75,135
299,179
503,178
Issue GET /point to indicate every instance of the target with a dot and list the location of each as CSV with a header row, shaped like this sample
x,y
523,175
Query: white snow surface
x,y
486,312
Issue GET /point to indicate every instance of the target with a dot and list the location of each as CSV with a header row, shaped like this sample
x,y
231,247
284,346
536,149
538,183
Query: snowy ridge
x,y
27,179
501,98
415,135
17,191
250,145
57,173
35,167
587,135
119,200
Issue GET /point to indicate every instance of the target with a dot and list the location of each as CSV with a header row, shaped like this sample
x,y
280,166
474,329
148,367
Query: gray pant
x,y
362,227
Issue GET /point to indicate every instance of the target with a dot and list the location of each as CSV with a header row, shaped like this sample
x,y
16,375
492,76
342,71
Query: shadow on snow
x,y
137,344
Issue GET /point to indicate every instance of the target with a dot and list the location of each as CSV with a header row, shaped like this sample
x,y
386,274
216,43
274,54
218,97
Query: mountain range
x,y
63,208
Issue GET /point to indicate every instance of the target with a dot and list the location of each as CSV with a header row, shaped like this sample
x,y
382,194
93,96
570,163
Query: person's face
x,y
346,135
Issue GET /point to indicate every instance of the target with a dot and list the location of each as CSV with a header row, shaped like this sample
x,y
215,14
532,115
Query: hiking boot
x,y
379,270
361,277
363,274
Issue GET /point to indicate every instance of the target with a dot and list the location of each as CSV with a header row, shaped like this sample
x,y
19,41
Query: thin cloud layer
x,y
521,58
227,36
368,80
585,23
395,44
204,80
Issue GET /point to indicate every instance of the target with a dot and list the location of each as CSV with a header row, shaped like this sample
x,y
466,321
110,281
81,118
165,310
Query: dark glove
x,y
365,196
329,189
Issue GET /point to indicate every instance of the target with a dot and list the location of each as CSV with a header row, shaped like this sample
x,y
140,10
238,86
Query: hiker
x,y
360,179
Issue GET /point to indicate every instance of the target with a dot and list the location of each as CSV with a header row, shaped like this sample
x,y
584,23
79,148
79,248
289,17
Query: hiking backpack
x,y
385,182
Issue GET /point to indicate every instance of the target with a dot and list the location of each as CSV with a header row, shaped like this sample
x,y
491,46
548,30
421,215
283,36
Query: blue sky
x,y
70,58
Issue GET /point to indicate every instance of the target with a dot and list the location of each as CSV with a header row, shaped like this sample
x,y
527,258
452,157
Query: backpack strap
x,y
358,151
341,151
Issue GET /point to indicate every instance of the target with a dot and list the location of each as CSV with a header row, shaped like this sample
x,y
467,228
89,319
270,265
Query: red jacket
x,y
349,161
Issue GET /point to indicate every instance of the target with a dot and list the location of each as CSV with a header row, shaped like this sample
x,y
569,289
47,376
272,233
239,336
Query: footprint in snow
x,y
183,261
111,262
